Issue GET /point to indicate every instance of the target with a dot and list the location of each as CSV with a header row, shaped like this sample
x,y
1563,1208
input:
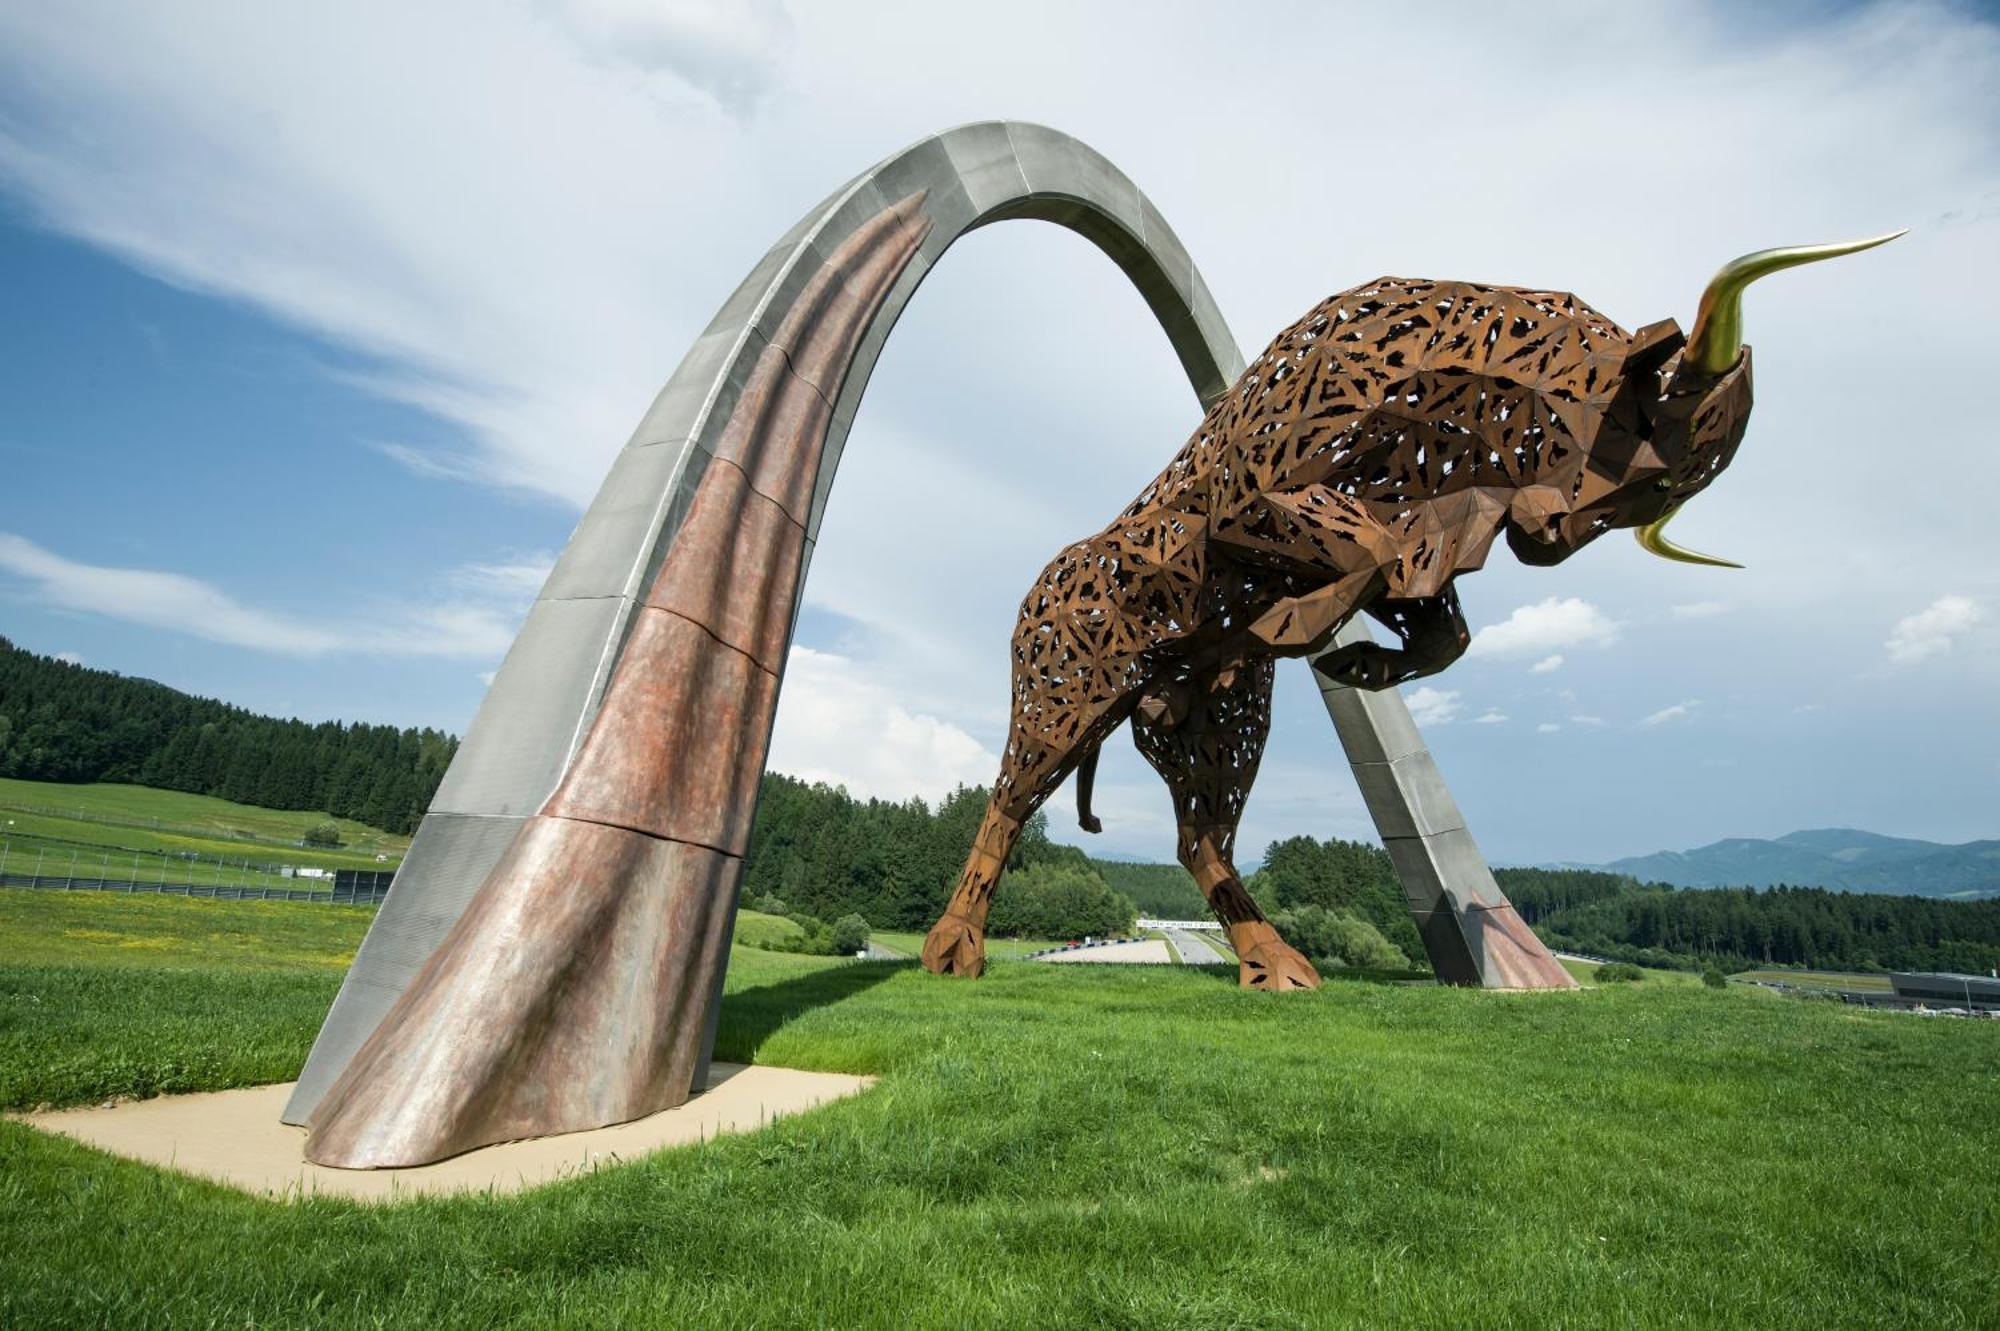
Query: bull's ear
x,y
1651,348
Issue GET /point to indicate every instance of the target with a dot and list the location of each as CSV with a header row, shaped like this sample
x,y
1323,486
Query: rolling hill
x,y
1838,858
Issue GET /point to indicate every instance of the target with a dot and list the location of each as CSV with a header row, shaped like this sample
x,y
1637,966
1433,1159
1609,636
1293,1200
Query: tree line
x,y
1348,880
1540,893
1741,927
63,722
825,855
893,864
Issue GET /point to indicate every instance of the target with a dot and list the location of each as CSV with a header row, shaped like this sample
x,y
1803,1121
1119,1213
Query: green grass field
x,y
1586,973
144,819
1053,1147
132,834
756,929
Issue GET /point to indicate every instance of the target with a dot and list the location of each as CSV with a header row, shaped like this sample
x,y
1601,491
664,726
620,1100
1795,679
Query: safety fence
x,y
118,867
350,887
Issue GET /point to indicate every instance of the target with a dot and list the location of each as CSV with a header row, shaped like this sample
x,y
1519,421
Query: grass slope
x,y
142,818
756,929
1097,1146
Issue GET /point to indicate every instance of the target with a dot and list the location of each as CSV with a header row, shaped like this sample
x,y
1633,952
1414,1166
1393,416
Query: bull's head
x,y
1680,411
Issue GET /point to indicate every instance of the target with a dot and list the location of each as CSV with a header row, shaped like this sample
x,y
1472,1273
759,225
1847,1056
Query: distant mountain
x,y
1835,857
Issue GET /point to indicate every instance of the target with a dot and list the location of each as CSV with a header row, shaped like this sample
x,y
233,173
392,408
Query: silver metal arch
x,y
546,693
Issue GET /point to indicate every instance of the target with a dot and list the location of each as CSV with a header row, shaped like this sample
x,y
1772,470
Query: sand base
x,y
235,1137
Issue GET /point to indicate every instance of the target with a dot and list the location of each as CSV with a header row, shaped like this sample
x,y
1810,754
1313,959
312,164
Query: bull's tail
x,y
1086,776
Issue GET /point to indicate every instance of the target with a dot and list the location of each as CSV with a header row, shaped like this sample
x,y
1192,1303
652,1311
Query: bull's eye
x,y
1664,484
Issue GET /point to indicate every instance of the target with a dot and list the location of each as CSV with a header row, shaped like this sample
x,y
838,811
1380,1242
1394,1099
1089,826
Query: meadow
x,y
1050,1146
143,836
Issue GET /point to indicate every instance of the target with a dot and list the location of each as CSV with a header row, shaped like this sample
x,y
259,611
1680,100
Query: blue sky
x,y
149,427
321,324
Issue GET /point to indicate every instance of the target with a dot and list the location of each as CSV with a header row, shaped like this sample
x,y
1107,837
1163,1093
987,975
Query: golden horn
x,y
1717,339
1653,539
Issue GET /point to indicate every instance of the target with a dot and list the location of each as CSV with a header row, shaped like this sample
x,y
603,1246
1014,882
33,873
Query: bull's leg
x,y
1071,688
1209,757
956,944
1433,633
1034,770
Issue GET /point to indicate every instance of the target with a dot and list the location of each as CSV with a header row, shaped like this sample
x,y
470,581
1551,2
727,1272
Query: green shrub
x,y
1337,938
770,904
323,834
1058,901
1714,978
1619,972
850,935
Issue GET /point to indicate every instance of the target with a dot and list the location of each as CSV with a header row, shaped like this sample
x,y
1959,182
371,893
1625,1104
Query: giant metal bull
x,y
1363,462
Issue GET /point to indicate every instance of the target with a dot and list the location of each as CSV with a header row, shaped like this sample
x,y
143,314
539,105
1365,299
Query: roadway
x,y
1194,950
1136,951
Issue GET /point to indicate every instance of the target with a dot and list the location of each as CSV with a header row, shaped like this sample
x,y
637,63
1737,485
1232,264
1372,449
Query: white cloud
x,y
1432,707
1586,720
1547,664
69,658
839,724
1700,609
730,50
1931,630
1547,728
1492,716
1543,629
1680,711
518,578
478,624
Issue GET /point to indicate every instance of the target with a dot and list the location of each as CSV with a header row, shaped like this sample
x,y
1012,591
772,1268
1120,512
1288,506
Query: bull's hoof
x,y
955,946
1273,965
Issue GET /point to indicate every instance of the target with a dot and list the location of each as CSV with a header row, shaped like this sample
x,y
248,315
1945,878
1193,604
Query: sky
x,y
319,326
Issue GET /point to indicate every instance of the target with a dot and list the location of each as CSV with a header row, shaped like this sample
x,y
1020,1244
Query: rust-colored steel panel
x,y
524,1022
679,745
776,432
742,593
1509,955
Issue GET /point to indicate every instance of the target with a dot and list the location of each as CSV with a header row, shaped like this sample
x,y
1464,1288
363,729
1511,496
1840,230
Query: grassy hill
x,y
756,929
1064,1147
140,835
199,816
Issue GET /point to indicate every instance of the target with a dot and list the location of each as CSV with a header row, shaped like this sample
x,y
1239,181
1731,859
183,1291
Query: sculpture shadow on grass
x,y
752,1016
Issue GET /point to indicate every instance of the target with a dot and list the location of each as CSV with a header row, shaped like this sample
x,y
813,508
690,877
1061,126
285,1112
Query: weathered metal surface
x,y
676,749
562,999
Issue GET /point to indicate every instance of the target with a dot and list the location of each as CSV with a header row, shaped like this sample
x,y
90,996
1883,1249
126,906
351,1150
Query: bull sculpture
x,y
1363,462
